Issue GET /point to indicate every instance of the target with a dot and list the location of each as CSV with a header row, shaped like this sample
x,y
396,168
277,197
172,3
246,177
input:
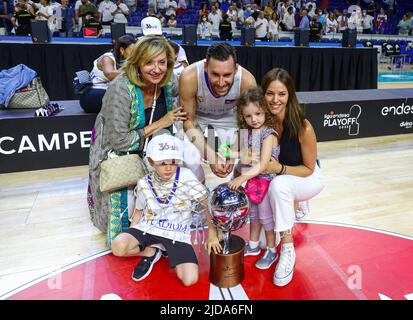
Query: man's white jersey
x,y
216,111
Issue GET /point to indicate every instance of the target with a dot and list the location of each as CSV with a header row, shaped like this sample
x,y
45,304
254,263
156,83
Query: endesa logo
x,y
400,110
344,120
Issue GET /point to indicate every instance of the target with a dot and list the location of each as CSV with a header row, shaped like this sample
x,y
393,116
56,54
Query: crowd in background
x,y
215,18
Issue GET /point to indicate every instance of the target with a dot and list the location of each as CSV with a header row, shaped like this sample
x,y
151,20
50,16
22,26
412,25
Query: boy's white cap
x,y
164,147
151,26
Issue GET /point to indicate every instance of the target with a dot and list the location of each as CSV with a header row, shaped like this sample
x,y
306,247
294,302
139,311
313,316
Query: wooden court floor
x,y
45,221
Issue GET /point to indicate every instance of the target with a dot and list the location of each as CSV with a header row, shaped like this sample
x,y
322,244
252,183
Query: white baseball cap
x,y
165,147
151,26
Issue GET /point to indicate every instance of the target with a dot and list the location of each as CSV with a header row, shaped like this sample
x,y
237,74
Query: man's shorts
x,y
178,252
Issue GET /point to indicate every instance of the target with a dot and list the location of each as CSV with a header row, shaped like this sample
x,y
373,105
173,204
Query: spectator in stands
x,y
255,11
8,12
381,21
78,19
204,28
367,21
305,22
172,21
311,7
105,69
121,126
241,12
45,12
342,21
181,7
21,19
371,9
261,27
150,13
352,23
68,19
204,9
274,27
87,11
289,20
132,5
322,17
316,29
249,22
106,8
121,12
225,29
269,9
215,18
161,19
389,6
297,173
178,66
331,24
233,12
171,6
153,4
162,5
404,26
355,21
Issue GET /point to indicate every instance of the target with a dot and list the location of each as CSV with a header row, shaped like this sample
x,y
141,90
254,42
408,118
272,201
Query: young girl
x,y
163,214
253,115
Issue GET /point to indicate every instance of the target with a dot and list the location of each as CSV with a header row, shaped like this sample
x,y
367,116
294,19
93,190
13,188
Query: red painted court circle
x,y
333,262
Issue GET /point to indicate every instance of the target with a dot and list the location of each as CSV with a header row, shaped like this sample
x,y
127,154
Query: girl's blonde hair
x,y
146,49
255,96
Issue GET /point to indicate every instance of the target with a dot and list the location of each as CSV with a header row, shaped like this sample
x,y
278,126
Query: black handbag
x,y
82,82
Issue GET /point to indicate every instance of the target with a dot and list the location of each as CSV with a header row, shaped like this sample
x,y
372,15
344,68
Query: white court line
x,y
52,274
234,293
347,225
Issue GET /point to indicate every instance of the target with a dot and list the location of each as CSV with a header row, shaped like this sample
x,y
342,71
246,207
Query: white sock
x,y
253,244
287,246
273,250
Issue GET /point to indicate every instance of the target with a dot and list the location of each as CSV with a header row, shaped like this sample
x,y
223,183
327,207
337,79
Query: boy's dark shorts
x,y
178,252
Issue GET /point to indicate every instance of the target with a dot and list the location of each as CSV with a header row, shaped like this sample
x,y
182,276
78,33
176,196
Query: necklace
x,y
167,199
151,118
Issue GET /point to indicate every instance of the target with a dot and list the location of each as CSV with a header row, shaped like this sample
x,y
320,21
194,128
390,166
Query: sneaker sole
x,y
252,253
266,268
149,270
284,281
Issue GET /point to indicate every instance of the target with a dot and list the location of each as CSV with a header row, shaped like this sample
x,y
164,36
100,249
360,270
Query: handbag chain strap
x,y
151,118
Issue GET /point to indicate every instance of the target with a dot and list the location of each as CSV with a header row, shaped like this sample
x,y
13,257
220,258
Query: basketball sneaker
x,y
144,267
267,259
284,270
248,251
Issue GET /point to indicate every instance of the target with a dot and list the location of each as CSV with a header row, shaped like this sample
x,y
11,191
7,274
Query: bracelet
x,y
282,169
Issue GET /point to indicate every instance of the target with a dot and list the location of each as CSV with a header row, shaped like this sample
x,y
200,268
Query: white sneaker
x,y
302,211
285,268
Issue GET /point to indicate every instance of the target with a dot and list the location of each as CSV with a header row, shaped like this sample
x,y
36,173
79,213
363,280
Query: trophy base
x,y
227,270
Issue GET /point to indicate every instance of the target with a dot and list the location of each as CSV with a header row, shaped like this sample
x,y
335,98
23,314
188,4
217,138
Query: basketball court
x,y
356,244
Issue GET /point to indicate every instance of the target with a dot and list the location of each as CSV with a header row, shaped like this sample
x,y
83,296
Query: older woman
x,y
124,123
298,177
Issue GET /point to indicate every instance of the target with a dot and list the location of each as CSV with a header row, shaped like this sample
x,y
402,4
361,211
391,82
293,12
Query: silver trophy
x,y
229,212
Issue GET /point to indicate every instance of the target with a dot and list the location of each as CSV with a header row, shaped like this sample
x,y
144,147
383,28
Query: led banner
x,y
359,119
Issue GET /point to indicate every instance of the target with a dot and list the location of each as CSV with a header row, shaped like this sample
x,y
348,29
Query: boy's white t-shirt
x,y
173,220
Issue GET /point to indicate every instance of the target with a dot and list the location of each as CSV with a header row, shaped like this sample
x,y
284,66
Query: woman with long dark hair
x,y
298,176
